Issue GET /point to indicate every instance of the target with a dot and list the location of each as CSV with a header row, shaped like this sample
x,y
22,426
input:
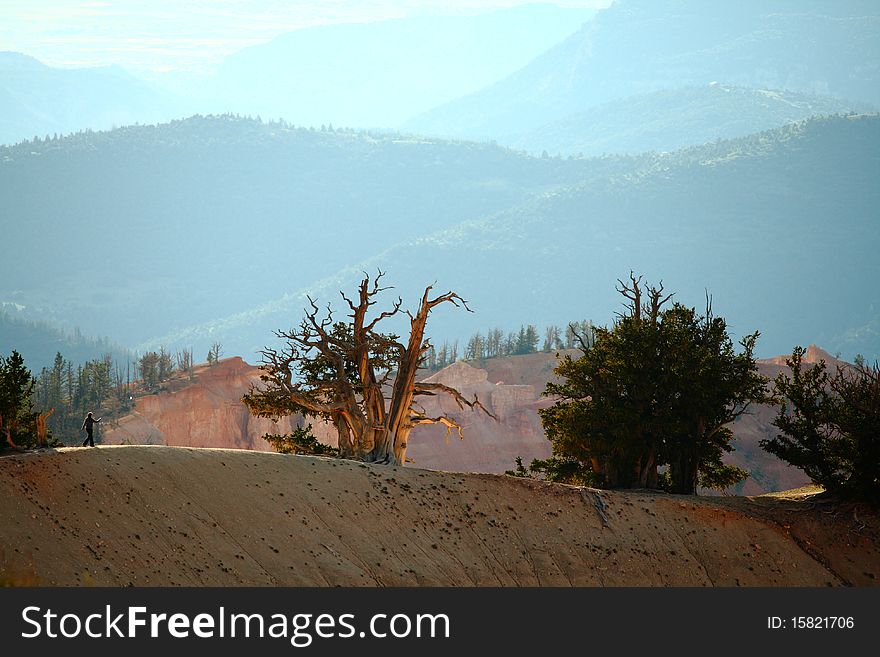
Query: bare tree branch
x,y
449,423
431,388
385,315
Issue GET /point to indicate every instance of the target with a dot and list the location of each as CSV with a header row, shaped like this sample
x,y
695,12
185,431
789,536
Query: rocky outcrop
x,y
204,412
207,412
813,355
488,445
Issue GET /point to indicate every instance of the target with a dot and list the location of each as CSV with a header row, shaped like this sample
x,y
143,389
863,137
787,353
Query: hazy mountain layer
x,y
38,342
136,231
780,228
827,47
363,75
379,74
38,100
672,119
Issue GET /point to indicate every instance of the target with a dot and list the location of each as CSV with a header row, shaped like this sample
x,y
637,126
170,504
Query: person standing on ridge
x,y
89,424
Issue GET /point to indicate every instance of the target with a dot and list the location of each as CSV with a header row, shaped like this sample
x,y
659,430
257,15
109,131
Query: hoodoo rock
x,y
813,355
488,445
204,412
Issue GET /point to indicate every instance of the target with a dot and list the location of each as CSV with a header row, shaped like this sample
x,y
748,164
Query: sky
x,y
191,35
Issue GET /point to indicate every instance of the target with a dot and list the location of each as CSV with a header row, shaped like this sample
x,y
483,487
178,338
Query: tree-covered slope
x,y
132,232
781,228
38,342
215,228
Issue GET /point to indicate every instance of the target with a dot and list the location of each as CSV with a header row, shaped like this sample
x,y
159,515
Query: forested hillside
x,y
150,219
39,341
780,228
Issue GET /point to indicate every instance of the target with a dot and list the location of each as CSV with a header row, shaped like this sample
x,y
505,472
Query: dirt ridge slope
x,y
151,515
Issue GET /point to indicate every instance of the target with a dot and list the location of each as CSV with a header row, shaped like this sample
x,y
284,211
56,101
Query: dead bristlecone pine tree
x,y
358,379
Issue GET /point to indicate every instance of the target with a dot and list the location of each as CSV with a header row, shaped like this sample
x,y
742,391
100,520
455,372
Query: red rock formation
x,y
488,445
813,355
512,387
208,413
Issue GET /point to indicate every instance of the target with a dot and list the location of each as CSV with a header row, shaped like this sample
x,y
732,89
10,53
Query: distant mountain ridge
x,y
779,227
825,47
37,100
38,342
364,75
498,75
379,74
671,119
151,217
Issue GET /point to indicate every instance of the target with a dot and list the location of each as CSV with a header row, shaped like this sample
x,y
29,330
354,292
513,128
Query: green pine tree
x,y
17,417
830,426
657,388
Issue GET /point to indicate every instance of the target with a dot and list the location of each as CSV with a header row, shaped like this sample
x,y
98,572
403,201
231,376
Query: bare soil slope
x,y
144,515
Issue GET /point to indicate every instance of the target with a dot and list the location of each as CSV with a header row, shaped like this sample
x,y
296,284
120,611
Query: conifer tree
x,y
830,426
658,387
17,418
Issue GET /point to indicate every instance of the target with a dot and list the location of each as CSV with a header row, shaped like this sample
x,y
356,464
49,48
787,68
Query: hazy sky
x,y
161,35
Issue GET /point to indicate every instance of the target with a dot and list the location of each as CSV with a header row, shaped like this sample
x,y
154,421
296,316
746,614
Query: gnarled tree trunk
x,y
355,366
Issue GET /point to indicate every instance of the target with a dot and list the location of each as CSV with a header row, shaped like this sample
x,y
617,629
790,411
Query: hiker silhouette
x,y
89,424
